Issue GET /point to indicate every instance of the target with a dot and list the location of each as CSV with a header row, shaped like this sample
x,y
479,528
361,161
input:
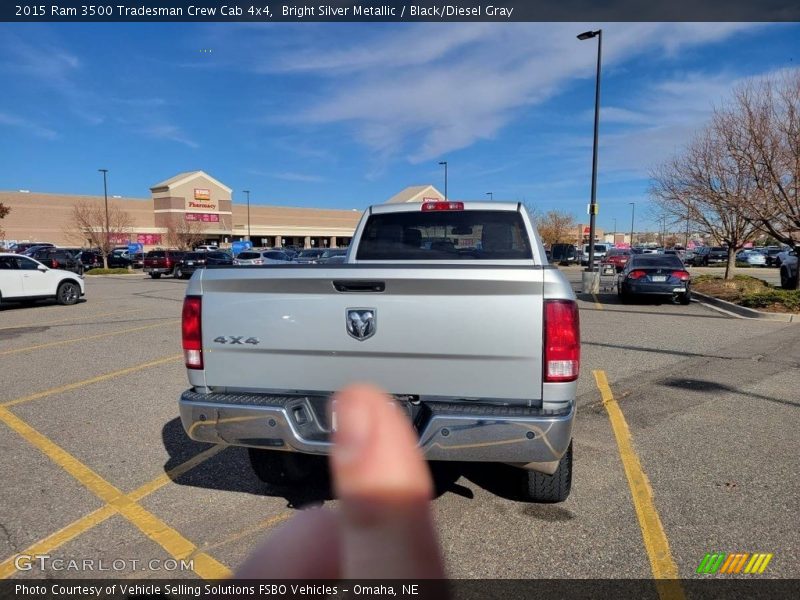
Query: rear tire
x,y
155,275
686,298
539,487
275,467
67,293
787,282
178,273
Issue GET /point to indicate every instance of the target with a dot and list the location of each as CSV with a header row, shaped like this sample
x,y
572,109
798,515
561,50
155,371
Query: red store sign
x,y
204,217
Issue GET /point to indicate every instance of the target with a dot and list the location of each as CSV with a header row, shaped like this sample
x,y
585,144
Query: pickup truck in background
x,y
473,334
162,262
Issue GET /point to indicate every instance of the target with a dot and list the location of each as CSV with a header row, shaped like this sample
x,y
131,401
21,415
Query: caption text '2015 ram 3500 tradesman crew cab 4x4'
x,y
449,306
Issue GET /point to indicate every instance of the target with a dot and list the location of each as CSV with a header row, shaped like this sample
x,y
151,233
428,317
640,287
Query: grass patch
x,y
102,271
748,291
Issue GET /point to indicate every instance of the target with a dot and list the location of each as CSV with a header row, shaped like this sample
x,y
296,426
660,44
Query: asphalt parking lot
x,y
97,465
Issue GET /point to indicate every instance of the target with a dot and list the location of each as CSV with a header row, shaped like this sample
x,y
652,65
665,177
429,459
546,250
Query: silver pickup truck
x,y
451,307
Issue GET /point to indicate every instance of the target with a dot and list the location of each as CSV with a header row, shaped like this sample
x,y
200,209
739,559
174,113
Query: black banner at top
x,y
268,11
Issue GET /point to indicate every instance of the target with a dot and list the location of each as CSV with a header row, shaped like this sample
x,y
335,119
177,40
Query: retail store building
x,y
191,200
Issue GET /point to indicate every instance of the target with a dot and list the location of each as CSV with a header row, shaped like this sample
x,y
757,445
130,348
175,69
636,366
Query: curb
x,y
746,313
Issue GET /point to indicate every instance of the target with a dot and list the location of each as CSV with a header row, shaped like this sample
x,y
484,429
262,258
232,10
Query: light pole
x,y
444,162
587,35
491,196
633,211
688,216
614,235
247,193
105,196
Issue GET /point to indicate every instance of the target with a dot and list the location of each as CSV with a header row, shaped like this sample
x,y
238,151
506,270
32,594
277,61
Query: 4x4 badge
x,y
361,322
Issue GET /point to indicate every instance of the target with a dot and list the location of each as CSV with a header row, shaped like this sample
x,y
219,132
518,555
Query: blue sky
x,y
344,115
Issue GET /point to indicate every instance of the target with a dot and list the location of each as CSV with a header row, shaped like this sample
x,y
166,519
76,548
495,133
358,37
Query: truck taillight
x,y
192,333
428,206
562,341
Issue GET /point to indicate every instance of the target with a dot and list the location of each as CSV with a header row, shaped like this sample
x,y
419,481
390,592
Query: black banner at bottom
x,y
477,589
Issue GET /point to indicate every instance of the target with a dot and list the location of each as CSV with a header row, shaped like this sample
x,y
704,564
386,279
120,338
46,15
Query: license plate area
x,y
408,408
658,278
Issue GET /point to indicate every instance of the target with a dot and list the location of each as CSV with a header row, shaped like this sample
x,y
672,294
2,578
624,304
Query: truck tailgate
x,y
454,332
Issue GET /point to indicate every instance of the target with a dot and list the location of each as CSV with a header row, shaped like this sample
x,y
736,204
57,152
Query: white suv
x,y
600,251
23,278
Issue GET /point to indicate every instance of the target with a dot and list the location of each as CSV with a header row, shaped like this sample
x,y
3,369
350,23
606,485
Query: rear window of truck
x,y
445,235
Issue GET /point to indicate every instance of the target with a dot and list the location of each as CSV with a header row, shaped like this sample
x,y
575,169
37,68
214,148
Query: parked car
x,y
655,275
789,271
162,262
751,258
710,255
771,252
209,247
25,279
330,253
59,258
337,260
319,326
91,259
137,260
261,257
618,257
564,254
192,261
24,246
308,257
600,251
781,256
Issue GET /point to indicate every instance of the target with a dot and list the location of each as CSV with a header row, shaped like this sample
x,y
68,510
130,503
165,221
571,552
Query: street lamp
x,y
633,211
444,162
105,196
247,193
614,238
491,196
587,35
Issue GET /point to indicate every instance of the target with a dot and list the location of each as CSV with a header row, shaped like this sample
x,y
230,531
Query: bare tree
x,y
4,210
710,188
184,234
556,227
760,128
89,223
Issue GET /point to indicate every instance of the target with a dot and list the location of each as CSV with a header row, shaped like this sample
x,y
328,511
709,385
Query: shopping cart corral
x,y
608,277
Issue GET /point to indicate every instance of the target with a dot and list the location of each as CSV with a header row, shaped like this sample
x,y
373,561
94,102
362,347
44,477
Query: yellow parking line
x,y
59,538
88,337
260,526
598,305
76,528
91,380
154,528
664,569
71,319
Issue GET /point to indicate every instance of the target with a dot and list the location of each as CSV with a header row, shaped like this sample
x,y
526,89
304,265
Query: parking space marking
x,y
664,569
154,528
85,338
71,319
91,380
598,305
260,526
84,524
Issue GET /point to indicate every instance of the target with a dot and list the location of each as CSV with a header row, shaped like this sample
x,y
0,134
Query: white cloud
x,y
29,126
430,89
172,133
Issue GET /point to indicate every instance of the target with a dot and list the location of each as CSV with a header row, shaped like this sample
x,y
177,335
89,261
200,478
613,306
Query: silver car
x,y
752,258
261,257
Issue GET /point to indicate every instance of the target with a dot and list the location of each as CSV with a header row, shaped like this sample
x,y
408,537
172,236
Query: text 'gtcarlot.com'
x,y
44,562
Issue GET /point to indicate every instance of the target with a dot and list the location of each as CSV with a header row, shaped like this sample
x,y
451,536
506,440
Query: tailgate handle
x,y
359,286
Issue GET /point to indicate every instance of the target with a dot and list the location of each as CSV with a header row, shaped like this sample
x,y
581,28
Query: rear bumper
x,y
470,432
657,289
162,270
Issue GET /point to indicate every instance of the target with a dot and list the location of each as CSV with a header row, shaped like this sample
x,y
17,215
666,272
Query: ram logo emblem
x,y
361,322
